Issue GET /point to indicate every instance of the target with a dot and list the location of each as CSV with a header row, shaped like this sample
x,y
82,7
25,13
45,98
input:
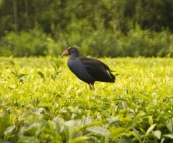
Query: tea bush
x,y
42,101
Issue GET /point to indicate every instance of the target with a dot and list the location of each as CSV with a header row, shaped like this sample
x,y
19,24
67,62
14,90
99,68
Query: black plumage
x,y
88,70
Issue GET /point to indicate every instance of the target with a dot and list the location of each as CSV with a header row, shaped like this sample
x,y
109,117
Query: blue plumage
x,y
88,70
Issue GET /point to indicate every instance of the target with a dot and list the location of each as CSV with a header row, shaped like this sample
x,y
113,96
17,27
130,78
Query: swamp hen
x,y
86,69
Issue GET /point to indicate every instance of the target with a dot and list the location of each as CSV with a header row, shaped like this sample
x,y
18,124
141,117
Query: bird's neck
x,y
74,56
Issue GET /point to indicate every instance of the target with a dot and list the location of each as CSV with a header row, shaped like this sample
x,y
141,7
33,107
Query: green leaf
x,y
9,130
41,74
157,134
169,124
4,123
38,110
29,129
58,63
70,123
79,139
94,123
26,139
59,123
4,141
135,120
44,105
21,75
87,120
103,139
69,129
52,127
49,128
40,128
99,130
125,139
117,131
162,140
150,129
135,134
170,136
112,120
150,119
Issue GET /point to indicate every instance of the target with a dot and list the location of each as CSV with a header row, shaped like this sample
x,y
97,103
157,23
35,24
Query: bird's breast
x,y
77,67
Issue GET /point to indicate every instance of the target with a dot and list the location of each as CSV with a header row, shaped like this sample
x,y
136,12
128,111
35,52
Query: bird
x,y
87,69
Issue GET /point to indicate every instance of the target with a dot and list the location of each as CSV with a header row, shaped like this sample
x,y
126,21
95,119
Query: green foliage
x,y
99,43
42,101
24,44
147,43
33,43
55,16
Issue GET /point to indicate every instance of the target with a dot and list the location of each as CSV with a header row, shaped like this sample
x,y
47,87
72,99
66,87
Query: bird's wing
x,y
97,69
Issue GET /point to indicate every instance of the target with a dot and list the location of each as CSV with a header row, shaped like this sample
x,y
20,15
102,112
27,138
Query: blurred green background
x,y
101,28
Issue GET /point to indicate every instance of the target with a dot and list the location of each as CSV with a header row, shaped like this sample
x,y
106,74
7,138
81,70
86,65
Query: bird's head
x,y
70,50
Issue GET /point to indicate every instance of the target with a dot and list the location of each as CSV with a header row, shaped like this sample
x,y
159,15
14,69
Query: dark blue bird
x,y
88,70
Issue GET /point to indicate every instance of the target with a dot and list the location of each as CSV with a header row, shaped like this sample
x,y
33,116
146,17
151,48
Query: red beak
x,y
65,53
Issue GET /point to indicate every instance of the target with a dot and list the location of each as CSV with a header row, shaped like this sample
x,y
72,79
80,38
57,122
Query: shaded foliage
x,y
99,43
114,14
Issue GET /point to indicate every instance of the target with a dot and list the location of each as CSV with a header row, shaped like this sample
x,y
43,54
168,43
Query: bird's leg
x,y
91,86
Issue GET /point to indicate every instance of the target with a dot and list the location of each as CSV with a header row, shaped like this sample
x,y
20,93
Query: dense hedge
x,y
100,43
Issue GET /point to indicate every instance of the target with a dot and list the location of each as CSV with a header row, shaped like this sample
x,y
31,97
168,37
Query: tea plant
x,y
41,101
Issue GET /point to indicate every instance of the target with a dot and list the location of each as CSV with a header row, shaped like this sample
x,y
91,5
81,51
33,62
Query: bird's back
x,y
98,70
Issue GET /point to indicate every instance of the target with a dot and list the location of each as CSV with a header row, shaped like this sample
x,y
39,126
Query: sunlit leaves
x,y
157,134
99,130
52,105
169,124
